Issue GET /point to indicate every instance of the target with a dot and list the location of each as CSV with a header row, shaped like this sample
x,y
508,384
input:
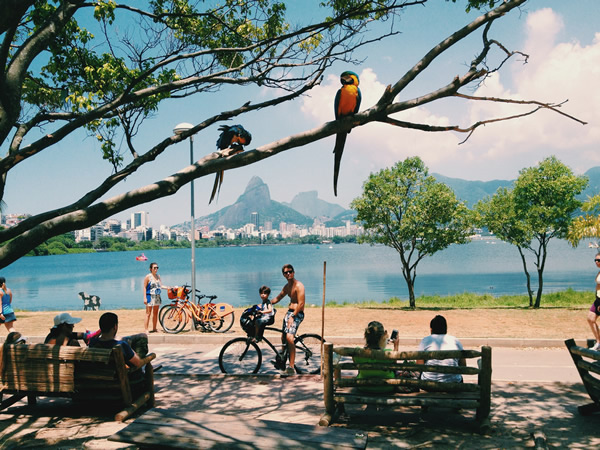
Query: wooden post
x,y
121,369
485,384
327,418
323,313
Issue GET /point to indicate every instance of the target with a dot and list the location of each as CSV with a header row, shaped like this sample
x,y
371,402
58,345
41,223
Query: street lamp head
x,y
182,127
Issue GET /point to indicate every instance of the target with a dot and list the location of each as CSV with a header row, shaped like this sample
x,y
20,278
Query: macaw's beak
x,y
346,79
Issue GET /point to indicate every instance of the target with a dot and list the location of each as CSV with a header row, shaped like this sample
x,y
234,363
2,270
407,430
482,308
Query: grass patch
x,y
467,300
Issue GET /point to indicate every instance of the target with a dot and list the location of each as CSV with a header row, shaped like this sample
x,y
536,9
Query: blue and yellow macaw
x,y
234,138
347,102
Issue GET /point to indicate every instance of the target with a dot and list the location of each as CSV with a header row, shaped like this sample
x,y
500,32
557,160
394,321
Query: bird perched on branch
x,y
347,102
232,138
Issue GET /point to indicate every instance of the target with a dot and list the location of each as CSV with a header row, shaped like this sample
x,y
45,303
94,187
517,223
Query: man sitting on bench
x,y
440,340
109,325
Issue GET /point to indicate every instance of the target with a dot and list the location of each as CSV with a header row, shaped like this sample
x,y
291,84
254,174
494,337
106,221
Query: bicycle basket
x,y
182,292
177,292
247,321
172,292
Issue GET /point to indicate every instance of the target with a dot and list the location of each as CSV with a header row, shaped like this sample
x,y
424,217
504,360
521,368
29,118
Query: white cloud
x,y
556,71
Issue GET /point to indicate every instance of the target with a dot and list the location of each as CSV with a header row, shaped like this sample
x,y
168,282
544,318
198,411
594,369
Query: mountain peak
x,y
309,204
254,183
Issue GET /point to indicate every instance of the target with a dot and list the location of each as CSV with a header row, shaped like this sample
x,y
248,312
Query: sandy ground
x,y
351,321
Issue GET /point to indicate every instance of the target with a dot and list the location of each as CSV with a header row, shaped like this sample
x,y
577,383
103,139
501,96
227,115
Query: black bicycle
x,y
243,354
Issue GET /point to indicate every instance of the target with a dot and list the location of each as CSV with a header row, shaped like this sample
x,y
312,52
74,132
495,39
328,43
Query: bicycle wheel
x,y
173,320
163,310
240,356
224,323
308,353
213,322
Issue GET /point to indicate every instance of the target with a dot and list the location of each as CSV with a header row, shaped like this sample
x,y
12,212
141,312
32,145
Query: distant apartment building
x,y
133,235
254,219
112,227
91,234
139,220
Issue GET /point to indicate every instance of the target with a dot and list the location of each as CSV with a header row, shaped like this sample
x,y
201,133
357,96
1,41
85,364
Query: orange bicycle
x,y
217,317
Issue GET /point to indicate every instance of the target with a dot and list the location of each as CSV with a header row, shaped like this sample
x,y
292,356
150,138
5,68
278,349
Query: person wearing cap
x,y
62,332
14,337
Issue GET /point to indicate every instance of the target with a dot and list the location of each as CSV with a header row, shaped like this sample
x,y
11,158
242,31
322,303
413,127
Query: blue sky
x,y
561,37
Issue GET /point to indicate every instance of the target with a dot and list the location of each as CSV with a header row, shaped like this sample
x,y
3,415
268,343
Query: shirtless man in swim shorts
x,y
295,314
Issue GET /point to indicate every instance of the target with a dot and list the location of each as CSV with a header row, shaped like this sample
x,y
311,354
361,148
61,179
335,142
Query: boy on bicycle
x,y
265,314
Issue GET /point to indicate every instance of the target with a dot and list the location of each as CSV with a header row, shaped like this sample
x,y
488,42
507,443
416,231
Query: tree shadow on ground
x,y
56,423
518,411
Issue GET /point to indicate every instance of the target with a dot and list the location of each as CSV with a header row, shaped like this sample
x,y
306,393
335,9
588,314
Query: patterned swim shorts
x,y
298,318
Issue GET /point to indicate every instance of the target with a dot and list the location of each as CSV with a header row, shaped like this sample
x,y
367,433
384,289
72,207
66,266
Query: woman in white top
x,y
152,286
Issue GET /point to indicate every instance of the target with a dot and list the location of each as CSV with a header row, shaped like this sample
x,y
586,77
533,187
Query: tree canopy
x,y
538,208
588,225
405,208
72,66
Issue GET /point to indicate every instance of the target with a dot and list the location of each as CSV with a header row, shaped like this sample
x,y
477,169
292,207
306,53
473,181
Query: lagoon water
x,y
354,273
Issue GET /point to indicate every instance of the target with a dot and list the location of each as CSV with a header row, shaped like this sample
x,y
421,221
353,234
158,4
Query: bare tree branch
x,y
551,106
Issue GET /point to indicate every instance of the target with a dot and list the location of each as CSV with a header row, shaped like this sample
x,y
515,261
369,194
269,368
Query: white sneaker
x,y
597,346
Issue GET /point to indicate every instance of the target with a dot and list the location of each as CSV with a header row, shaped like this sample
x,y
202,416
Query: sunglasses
x,y
155,267
287,272
597,260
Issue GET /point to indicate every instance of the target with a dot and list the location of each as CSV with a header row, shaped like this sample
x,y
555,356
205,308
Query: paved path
x,y
508,364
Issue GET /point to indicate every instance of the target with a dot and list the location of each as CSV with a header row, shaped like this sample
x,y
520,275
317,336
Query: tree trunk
x,y
409,278
541,264
529,291
538,297
411,294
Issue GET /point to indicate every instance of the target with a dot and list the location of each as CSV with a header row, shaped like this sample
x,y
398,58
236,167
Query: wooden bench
x,y
92,375
340,389
587,363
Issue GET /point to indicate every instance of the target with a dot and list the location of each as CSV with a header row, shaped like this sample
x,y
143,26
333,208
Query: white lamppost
x,y
179,129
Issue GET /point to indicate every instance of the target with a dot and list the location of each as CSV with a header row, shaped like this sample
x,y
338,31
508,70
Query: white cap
x,y
65,318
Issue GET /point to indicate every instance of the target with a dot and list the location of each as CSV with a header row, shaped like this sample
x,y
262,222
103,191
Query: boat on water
x,y
142,257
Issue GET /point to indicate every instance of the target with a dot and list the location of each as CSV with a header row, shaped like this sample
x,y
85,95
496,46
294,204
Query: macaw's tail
x,y
340,142
217,186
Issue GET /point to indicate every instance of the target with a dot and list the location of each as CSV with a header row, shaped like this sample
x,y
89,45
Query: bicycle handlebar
x,y
199,296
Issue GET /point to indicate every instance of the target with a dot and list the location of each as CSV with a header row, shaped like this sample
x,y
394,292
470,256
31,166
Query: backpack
x,y
247,320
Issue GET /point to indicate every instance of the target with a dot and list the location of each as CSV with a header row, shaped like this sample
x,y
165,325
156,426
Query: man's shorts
x,y
298,318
